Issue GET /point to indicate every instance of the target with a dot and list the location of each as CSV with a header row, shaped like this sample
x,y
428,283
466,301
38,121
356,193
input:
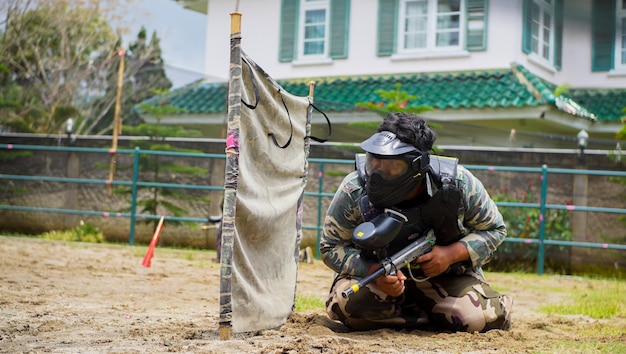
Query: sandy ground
x,y
59,297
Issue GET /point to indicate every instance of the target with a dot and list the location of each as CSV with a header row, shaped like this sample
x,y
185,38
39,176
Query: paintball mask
x,y
393,168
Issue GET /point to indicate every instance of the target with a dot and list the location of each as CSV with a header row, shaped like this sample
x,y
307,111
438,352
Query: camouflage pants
x,y
453,302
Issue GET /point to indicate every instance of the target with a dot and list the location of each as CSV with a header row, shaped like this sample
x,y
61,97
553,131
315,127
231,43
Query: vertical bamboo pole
x,y
235,27
117,121
231,176
311,90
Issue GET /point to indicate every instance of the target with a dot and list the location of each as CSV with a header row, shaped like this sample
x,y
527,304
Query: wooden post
x,y
117,121
225,324
235,23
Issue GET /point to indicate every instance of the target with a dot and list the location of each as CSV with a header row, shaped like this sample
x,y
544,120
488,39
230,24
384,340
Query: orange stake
x,y
147,259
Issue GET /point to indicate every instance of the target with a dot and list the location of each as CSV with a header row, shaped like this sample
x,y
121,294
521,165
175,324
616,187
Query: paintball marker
x,y
389,265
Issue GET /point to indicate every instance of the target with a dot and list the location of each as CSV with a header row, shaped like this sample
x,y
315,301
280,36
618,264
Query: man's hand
x,y
392,285
440,258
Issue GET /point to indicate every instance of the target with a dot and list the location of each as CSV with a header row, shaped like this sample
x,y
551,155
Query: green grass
x,y
603,338
307,302
590,347
604,299
601,330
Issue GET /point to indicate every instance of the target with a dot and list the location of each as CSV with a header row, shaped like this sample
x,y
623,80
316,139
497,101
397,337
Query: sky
x,y
182,33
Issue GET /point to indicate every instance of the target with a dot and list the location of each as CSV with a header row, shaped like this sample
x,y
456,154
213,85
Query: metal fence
x,y
135,183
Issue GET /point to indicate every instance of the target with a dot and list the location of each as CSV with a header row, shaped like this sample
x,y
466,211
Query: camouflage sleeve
x,y
482,220
336,247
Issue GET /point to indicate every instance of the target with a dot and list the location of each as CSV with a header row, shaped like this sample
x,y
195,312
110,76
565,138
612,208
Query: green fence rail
x,y
135,183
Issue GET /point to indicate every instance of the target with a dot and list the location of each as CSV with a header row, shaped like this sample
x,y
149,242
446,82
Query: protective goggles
x,y
388,167
391,167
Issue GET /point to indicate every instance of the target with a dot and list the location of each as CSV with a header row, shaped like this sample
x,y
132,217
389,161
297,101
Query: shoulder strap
x,y
368,211
359,165
444,168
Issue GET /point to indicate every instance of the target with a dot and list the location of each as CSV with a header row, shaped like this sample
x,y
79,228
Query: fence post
x,y
579,221
542,219
133,202
71,194
320,189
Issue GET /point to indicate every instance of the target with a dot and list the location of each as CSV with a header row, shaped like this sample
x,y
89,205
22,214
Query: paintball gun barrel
x,y
396,261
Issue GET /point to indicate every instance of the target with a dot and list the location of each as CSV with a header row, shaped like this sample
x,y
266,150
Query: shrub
x,y
81,233
524,222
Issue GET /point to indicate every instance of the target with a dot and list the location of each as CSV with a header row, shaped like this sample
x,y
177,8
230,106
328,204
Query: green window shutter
x,y
527,22
339,28
288,30
558,33
602,35
476,26
387,25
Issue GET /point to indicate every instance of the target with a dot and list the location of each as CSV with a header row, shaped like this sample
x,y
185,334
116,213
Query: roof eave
x,y
200,6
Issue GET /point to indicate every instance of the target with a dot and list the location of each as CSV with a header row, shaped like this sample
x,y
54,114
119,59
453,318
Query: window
x,y
429,25
415,27
314,30
620,36
543,31
313,36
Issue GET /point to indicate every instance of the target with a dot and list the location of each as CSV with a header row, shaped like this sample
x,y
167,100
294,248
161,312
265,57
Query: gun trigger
x,y
414,265
412,237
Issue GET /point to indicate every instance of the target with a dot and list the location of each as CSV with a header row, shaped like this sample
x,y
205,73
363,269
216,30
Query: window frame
x,y
538,38
431,29
310,5
474,37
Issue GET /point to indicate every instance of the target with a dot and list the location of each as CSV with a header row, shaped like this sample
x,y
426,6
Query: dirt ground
x,y
60,297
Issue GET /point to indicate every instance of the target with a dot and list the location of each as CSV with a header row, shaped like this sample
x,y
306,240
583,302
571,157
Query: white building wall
x,y
260,23
260,39
577,51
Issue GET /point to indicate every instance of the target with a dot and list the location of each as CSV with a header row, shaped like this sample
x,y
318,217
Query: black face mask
x,y
385,193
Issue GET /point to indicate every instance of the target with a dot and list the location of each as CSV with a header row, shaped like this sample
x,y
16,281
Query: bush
x,y
81,233
523,222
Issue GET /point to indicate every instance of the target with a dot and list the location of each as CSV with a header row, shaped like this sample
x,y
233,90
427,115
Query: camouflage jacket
x,y
482,232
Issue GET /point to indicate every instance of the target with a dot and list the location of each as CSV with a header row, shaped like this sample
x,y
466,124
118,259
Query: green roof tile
x,y
502,88
606,104
200,98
